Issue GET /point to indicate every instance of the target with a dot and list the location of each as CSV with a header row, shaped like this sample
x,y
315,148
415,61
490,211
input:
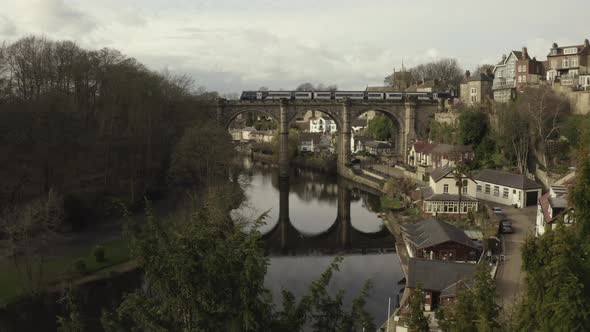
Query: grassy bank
x,y
390,203
56,269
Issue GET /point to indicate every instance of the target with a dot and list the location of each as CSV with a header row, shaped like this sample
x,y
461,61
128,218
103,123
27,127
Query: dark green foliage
x,y
475,307
442,133
98,253
72,322
381,128
93,123
416,320
580,194
576,128
80,266
203,154
472,127
207,274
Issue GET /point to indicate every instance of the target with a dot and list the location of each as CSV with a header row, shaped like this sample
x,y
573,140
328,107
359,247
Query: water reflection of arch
x,y
340,236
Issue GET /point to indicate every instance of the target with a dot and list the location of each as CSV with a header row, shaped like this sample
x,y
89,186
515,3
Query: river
x,y
312,218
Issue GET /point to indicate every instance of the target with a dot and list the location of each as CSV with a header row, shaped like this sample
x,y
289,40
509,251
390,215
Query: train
x,y
361,95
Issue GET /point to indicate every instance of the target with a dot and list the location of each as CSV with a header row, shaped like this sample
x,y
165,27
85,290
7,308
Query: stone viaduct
x,y
411,116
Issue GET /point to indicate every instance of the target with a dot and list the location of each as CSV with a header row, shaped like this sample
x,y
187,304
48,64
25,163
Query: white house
x,y
507,188
246,133
551,207
322,124
442,196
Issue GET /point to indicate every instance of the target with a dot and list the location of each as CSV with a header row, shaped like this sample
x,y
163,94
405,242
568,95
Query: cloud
x,y
7,26
229,45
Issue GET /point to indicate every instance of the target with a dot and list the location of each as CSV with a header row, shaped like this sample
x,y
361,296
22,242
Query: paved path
x,y
510,276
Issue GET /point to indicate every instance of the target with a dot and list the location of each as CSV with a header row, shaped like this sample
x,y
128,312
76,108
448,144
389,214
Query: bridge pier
x,y
409,130
284,212
344,139
283,139
344,214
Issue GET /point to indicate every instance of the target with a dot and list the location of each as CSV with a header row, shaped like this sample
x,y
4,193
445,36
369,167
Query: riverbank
x,y
327,166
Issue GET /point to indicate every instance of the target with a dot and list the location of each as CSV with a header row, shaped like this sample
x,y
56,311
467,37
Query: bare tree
x,y
514,134
543,109
483,69
28,229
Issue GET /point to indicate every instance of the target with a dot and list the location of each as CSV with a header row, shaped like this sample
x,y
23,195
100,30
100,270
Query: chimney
x,y
467,74
586,43
525,54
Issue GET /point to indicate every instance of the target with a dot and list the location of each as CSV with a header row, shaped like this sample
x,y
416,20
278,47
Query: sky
x,y
234,45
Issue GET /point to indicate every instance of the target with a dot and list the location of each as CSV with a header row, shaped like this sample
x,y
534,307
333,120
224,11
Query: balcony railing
x,y
503,84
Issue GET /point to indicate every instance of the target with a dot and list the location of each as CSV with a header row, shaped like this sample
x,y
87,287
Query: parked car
x,y
506,227
501,216
497,209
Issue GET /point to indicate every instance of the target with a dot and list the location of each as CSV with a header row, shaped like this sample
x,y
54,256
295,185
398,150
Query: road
x,y
510,276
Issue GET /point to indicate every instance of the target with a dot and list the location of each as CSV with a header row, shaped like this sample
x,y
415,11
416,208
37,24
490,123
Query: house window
x,y
487,189
464,189
473,91
524,79
496,191
479,188
505,193
574,62
514,191
446,188
566,62
519,79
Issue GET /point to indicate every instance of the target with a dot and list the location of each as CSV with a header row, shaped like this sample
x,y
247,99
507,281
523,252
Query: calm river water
x,y
313,217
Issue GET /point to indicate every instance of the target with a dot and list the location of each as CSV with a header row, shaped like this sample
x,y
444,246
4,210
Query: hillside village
x,y
495,167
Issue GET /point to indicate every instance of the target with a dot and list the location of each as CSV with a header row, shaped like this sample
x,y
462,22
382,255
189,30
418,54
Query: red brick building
x,y
528,71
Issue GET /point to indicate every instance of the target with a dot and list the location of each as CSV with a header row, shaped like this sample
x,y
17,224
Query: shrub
x,y
80,266
98,253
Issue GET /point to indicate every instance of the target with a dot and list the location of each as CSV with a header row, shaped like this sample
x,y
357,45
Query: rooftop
x,y
435,275
517,181
430,232
441,172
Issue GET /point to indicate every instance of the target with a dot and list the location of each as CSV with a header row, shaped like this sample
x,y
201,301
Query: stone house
x,y
477,88
442,194
378,148
440,280
437,155
552,206
262,136
506,188
437,240
358,142
570,65
309,142
513,72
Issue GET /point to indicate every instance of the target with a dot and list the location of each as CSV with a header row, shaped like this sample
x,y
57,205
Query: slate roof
x,y
479,77
517,181
430,232
437,276
580,49
310,137
358,122
441,172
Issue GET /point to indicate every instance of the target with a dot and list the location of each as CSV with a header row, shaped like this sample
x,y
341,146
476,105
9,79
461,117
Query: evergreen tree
x,y
484,298
417,322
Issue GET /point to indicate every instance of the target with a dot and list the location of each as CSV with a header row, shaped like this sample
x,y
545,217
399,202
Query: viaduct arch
x,y
413,116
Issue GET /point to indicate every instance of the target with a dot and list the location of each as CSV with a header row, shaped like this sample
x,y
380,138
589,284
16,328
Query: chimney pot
x,y
467,74
586,42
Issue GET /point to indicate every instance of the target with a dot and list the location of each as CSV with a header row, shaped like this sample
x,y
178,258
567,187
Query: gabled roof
x,y
310,137
437,276
441,172
430,232
517,181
